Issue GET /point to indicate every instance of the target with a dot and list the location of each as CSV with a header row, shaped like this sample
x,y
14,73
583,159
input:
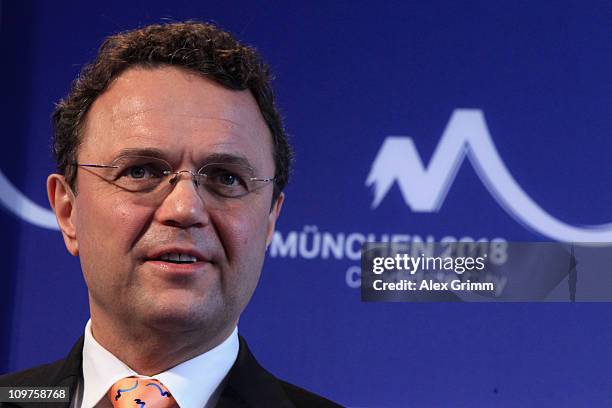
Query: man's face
x,y
121,237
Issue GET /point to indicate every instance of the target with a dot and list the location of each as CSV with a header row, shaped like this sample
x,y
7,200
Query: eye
x,y
137,172
224,177
228,179
142,171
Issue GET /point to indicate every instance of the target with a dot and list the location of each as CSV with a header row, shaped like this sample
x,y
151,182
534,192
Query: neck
x,y
150,350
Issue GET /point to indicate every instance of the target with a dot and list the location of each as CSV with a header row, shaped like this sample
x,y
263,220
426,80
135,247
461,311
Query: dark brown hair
x,y
198,47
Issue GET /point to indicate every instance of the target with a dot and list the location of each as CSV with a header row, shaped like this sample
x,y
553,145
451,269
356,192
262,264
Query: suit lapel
x,y
72,370
64,373
250,385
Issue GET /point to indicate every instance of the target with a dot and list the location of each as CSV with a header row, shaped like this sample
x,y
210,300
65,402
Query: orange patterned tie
x,y
133,392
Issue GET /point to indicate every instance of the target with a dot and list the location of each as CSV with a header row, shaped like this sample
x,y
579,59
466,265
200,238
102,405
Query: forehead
x,y
176,111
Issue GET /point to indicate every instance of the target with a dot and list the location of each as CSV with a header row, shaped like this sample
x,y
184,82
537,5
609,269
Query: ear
x,y
273,216
62,202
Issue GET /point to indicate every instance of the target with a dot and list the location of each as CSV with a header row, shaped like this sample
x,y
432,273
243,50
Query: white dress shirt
x,y
194,383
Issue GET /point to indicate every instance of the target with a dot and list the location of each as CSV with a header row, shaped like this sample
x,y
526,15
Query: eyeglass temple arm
x,y
264,180
105,166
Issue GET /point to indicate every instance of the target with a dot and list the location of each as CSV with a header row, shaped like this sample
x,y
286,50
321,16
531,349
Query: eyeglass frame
x,y
195,175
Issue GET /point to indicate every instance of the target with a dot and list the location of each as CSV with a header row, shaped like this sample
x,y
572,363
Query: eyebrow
x,y
222,158
227,158
138,151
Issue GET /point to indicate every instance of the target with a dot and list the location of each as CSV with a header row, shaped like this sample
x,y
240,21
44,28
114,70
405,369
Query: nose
x,y
183,206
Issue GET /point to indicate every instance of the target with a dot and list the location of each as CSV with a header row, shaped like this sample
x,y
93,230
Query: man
x,y
172,160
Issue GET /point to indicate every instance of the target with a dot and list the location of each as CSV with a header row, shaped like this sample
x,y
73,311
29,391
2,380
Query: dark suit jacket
x,y
248,384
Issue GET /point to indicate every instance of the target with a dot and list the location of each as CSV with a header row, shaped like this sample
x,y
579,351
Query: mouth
x,y
177,257
181,264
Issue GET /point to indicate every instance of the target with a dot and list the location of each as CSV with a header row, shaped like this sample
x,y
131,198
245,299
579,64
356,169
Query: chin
x,y
183,316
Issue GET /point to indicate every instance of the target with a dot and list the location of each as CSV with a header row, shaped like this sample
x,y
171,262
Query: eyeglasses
x,y
151,176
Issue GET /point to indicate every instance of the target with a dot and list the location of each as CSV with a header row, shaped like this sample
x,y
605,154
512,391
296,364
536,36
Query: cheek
x,y
108,224
242,234
107,228
131,221
243,237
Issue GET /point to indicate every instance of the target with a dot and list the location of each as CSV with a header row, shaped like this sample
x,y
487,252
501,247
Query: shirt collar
x,y
192,383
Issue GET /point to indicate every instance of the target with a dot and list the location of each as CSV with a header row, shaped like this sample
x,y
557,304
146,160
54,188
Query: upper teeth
x,y
175,256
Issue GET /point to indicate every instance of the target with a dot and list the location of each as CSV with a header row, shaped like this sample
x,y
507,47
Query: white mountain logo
x,y
424,188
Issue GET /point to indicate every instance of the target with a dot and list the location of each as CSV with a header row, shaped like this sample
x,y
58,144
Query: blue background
x,y
348,75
